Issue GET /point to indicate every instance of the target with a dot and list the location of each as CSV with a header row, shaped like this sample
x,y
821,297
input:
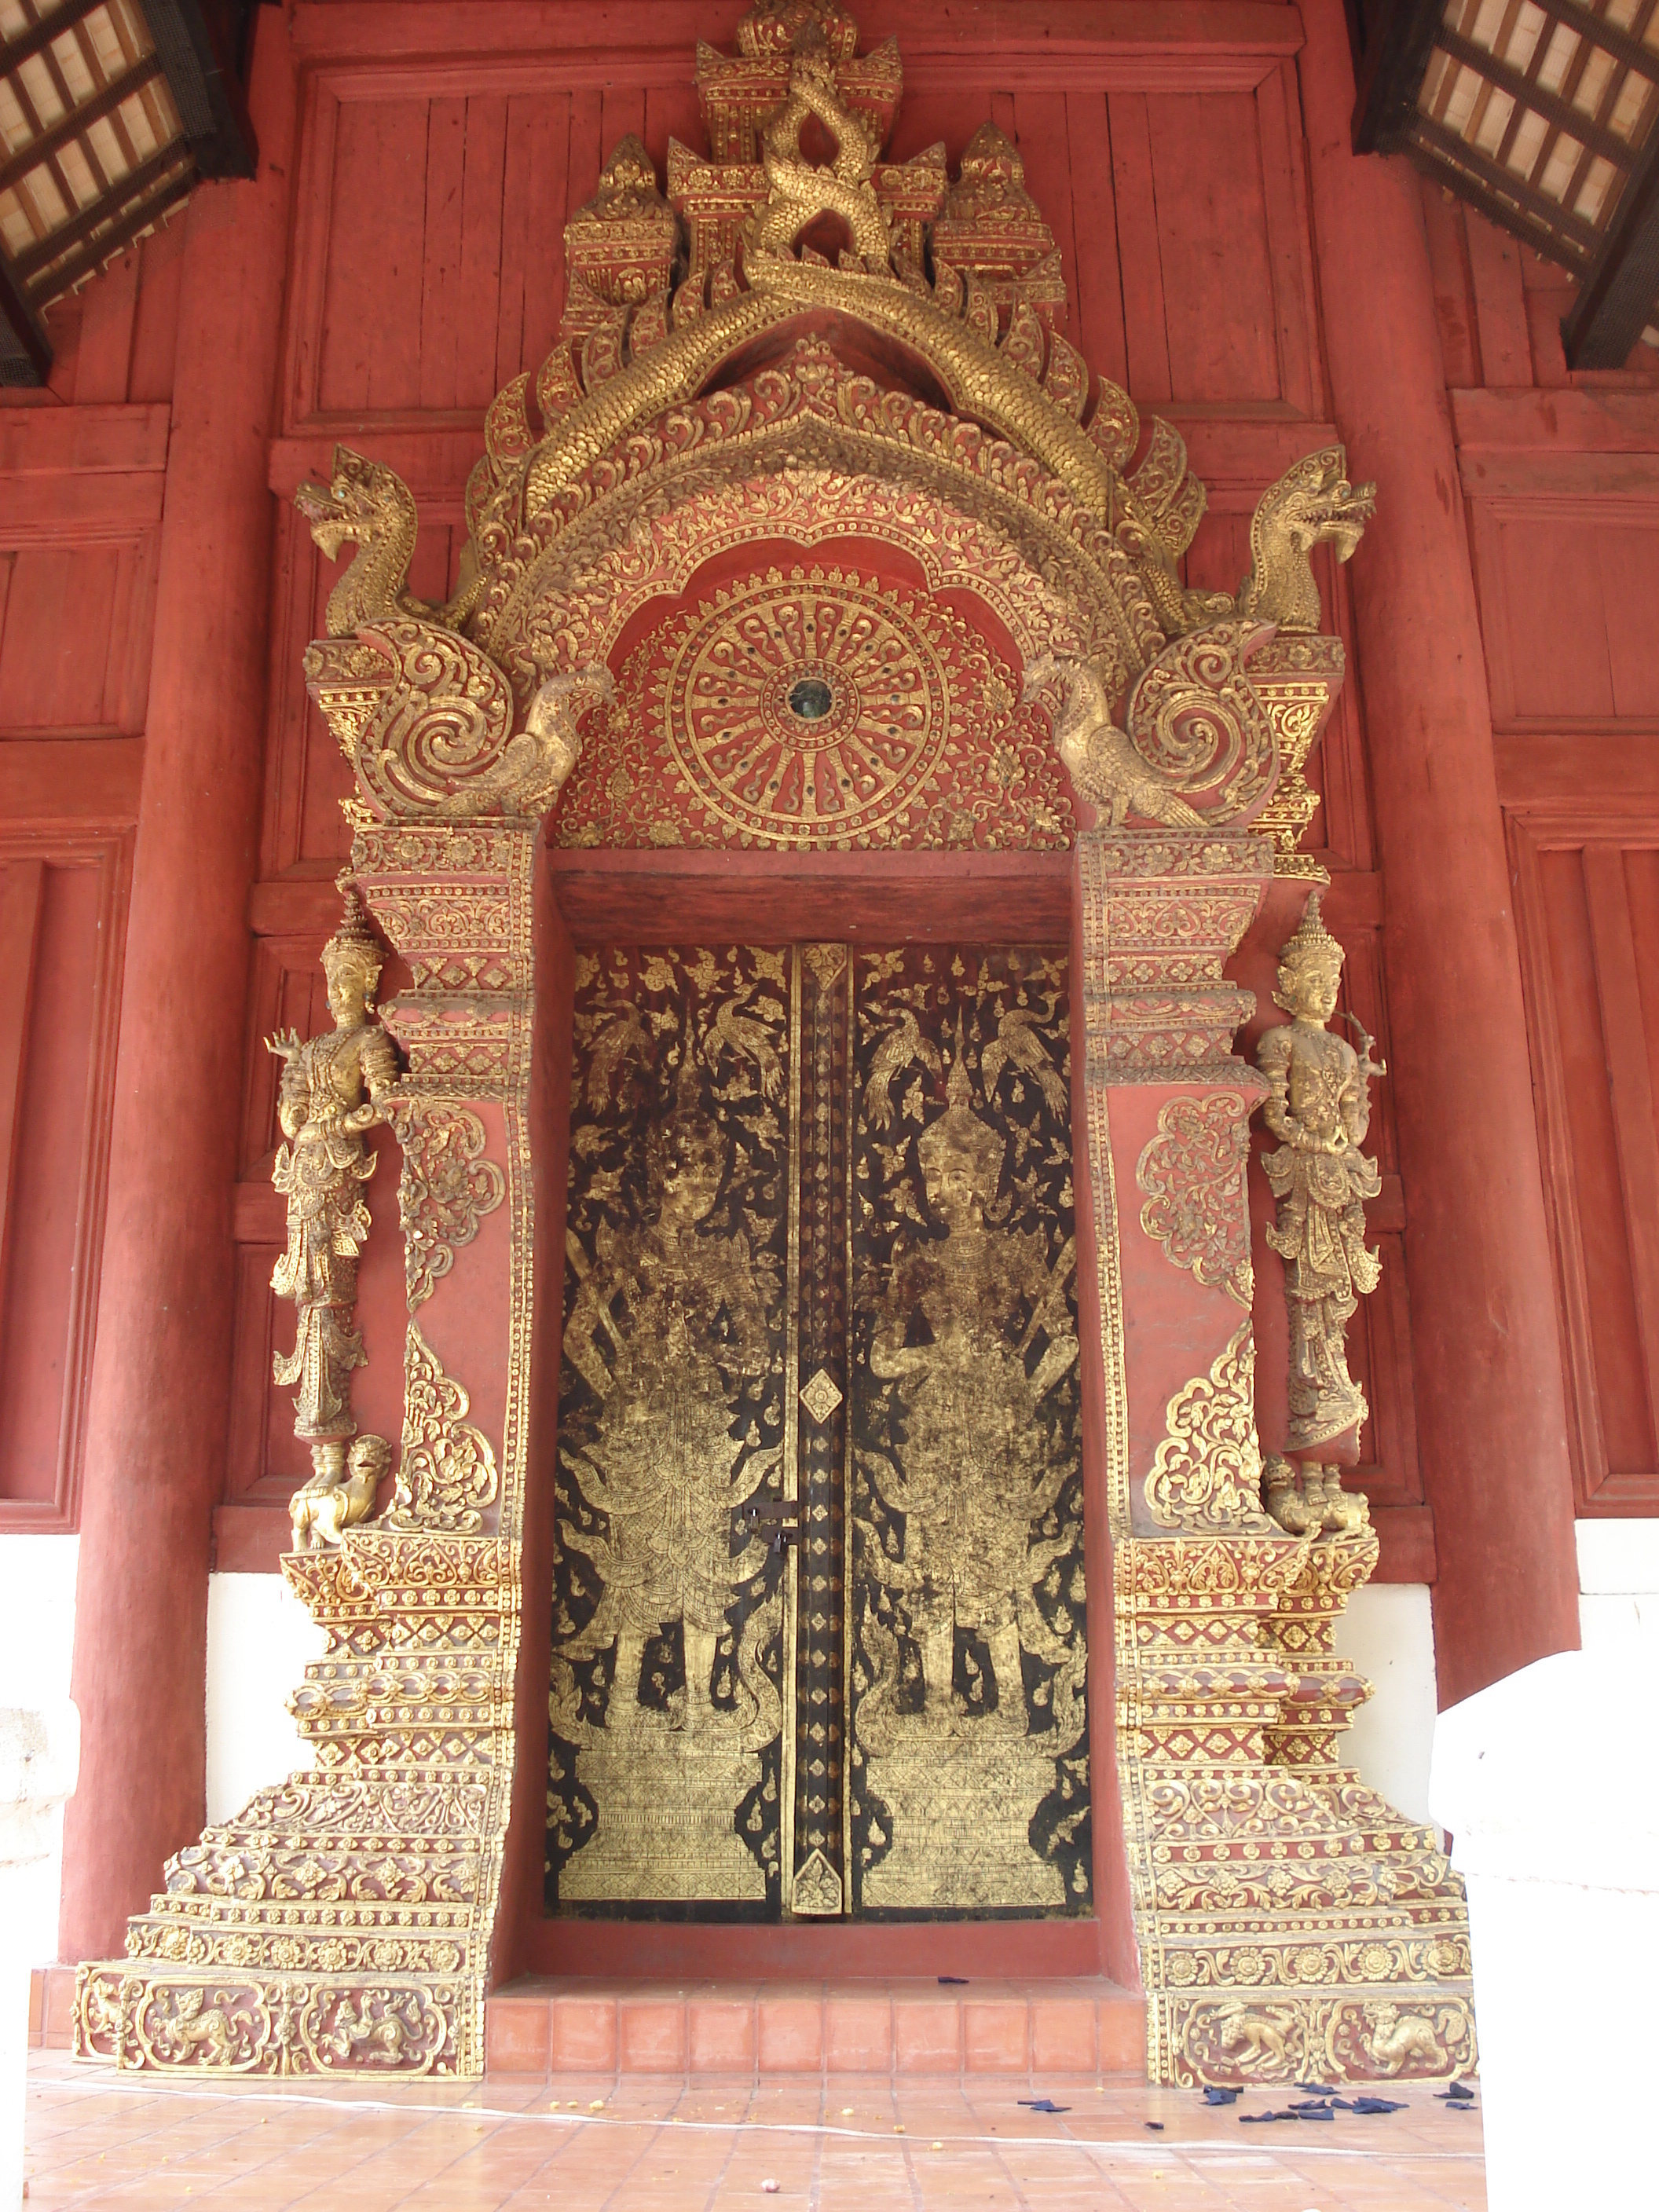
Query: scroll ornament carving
x,y
447,1474
1193,1176
445,1189
1196,731
1206,1472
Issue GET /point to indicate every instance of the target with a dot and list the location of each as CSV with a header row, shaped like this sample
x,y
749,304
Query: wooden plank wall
x,y
82,473
1561,477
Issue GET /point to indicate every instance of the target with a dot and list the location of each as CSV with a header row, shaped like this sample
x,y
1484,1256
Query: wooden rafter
x,y
124,103
1544,161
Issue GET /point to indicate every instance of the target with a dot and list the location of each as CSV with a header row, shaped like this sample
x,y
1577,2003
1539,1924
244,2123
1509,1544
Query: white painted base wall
x,y
1387,1633
1618,1583
37,1639
260,1640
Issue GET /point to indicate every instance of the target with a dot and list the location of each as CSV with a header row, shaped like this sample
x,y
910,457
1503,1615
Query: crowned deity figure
x,y
333,1089
1319,1108
669,1328
977,1469
682,1317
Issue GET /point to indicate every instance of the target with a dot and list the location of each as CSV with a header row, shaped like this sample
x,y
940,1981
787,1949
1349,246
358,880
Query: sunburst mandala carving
x,y
811,710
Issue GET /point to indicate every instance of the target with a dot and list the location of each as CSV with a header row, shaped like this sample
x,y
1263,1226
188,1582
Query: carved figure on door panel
x,y
968,1583
666,1609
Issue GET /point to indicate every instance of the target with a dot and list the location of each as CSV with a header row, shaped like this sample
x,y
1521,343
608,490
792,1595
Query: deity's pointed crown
x,y
1312,949
960,1130
353,948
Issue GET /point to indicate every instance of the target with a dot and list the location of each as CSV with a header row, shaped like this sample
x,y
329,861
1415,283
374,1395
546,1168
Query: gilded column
x,y
155,1430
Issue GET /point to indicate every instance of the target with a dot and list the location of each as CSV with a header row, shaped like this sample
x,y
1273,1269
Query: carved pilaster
x,y
1290,1925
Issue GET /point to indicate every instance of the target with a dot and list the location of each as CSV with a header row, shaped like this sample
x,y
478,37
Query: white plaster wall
x,y
1619,1585
37,1638
1387,1633
260,1640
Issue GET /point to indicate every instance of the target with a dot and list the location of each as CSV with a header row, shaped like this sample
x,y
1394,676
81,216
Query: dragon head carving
x,y
364,500
1311,503
367,504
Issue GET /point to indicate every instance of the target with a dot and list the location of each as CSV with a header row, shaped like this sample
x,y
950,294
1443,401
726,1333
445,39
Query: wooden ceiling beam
x,y
39,36
1619,293
129,220
204,88
25,349
172,158
1575,240
1400,38
1528,94
34,156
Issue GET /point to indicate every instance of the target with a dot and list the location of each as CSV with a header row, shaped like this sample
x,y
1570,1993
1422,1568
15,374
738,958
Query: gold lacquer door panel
x,y
969,1788
665,1784
819,1299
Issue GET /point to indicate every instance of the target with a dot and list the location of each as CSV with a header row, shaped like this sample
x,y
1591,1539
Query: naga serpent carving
x,y
799,190
1311,502
369,504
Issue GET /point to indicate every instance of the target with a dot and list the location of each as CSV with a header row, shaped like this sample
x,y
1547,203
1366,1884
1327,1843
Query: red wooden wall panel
x,y
61,916
1587,883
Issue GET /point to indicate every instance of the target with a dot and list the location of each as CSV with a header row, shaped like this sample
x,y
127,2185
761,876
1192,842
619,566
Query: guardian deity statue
x,y
333,1089
1319,1108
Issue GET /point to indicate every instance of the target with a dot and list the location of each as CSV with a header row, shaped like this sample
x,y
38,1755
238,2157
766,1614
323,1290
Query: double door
x,y
818,1620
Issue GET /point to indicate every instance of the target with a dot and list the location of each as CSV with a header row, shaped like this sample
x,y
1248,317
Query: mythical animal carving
x,y
533,766
1256,2036
194,2031
1311,502
369,504
1304,1500
357,2036
1397,2037
1101,759
339,1494
798,190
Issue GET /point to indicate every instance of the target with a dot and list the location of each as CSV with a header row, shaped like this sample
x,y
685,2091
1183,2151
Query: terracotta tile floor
x,y
849,2144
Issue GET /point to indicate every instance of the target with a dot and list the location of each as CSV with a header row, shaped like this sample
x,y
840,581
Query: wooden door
x,y
818,1608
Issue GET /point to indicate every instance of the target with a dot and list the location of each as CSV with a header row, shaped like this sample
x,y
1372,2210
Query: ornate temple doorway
x,y
819,1637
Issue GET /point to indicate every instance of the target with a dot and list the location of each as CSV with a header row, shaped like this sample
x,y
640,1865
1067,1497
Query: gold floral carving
x,y
447,1474
445,1189
1193,1175
1206,1474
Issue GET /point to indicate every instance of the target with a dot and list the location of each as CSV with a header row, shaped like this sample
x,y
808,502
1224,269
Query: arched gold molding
x,y
811,412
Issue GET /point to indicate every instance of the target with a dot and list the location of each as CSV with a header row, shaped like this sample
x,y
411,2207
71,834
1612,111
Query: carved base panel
x,y
1293,1926
200,2020
340,1922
